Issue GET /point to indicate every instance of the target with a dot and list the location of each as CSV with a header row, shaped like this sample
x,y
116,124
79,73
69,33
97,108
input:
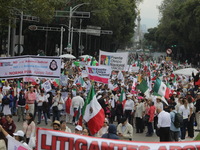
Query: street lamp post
x,y
72,10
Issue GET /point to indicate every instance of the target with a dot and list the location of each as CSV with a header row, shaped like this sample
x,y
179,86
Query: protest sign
x,y
99,73
58,140
24,66
117,61
47,86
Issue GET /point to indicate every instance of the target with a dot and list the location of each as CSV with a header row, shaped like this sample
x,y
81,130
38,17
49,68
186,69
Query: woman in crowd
x,y
57,105
7,102
29,127
42,106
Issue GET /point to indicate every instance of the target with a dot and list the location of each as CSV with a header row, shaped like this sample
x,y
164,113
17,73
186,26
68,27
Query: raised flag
x,y
143,87
160,88
93,113
122,97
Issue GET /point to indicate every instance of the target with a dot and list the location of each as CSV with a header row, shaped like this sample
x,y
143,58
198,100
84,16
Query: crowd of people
x,y
151,114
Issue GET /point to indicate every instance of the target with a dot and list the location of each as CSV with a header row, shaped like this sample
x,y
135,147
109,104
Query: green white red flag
x,y
93,113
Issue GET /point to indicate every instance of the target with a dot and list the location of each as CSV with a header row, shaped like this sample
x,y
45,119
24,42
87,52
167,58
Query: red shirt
x,y
10,128
151,113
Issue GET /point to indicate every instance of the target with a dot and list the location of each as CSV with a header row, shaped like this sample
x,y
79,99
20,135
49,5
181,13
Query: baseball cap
x,y
79,128
19,133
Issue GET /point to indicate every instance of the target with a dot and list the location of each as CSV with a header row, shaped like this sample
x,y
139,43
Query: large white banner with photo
x,y
36,66
117,61
58,140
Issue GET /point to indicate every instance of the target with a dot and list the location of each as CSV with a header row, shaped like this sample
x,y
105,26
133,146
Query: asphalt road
x,y
136,136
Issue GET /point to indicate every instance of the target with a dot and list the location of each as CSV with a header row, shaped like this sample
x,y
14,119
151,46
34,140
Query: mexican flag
x,y
93,113
143,87
122,97
161,89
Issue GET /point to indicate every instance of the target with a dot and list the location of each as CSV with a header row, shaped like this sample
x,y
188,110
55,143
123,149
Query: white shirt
x,y
184,111
129,105
164,119
42,99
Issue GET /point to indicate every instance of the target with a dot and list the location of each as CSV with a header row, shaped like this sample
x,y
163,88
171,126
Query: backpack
x,y
178,120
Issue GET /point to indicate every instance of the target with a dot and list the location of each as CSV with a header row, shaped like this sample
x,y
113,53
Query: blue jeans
x,y
40,110
14,110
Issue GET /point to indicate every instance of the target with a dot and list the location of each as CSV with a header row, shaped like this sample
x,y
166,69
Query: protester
x,y
184,110
104,128
68,109
77,104
164,123
112,132
86,132
139,112
21,105
174,131
78,129
57,105
56,125
41,106
150,119
9,126
128,108
29,127
64,127
30,99
7,102
125,130
19,136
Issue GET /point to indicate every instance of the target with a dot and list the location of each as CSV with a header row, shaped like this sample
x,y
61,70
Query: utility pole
x,y
20,32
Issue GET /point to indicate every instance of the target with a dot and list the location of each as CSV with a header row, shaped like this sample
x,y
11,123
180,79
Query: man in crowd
x,y
164,123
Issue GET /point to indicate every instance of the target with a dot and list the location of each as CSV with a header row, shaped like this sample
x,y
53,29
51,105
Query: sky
x,y
149,12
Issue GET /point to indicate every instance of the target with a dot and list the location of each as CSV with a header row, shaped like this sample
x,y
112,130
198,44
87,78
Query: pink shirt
x,y
30,97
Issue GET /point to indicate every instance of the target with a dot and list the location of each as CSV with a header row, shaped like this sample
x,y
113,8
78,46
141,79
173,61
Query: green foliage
x,y
179,25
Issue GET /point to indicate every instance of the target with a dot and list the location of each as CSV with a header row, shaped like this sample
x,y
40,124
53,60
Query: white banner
x,y
99,73
24,66
58,140
117,61
16,145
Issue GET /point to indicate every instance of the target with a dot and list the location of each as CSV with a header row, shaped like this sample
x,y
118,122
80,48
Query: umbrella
x,y
85,56
186,71
68,56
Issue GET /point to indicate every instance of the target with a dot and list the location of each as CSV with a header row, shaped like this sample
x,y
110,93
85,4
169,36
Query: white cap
x,y
19,133
79,128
